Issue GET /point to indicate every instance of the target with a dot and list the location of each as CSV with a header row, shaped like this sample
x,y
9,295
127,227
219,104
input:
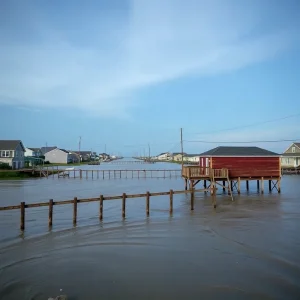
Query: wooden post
x,y
50,212
75,211
239,185
171,201
258,185
231,185
278,184
92,174
123,204
223,186
205,184
103,174
101,208
192,194
185,185
247,185
262,185
147,204
22,225
97,174
80,174
270,187
86,174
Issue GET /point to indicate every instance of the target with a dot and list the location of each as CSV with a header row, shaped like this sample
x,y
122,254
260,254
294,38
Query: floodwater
x,y
246,249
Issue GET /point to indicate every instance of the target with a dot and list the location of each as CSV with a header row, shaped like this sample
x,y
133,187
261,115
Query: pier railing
x,y
23,206
199,172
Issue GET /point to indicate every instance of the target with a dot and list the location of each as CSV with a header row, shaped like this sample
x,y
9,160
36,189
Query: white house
x,y
164,156
12,153
61,156
33,152
194,158
291,156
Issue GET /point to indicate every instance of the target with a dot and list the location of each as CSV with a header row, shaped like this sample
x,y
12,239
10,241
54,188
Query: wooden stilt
x,y
223,186
258,185
192,194
247,185
270,187
262,185
239,185
186,182
278,184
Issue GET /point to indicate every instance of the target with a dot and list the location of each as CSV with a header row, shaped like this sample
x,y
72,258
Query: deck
x,y
200,173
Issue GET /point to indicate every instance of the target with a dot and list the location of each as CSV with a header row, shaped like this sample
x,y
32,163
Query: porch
x,y
203,173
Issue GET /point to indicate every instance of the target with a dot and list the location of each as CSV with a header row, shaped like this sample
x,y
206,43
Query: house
x,y
164,156
61,156
177,156
194,158
84,155
12,153
44,150
291,156
247,162
33,152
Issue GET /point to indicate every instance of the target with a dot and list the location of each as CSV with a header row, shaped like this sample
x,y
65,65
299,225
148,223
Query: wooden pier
x,y
129,162
110,174
101,199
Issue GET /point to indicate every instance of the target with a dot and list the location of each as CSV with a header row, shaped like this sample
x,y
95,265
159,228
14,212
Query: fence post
x,y
192,194
101,208
171,201
147,204
75,211
123,204
50,212
22,225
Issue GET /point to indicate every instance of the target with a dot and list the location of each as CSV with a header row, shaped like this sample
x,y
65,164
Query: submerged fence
x,y
23,206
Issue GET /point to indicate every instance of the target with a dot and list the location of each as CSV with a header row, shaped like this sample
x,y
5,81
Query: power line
x,y
245,142
249,125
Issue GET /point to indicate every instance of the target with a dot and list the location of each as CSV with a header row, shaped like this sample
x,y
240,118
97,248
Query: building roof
x,y
34,149
47,149
178,153
297,144
191,155
10,144
238,151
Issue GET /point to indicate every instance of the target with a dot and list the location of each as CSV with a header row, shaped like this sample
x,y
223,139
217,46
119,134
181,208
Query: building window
x,y
5,153
293,149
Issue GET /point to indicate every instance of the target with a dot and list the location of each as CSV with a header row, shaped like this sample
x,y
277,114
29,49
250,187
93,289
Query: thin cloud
x,y
101,70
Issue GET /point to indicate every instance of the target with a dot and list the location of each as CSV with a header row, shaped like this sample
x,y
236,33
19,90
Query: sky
x,y
123,74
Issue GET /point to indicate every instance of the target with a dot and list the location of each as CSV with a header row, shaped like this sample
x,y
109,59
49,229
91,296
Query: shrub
x,y
5,166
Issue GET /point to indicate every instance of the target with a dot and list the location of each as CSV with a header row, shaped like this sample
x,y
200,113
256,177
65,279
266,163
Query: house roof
x,y
238,151
192,155
64,150
47,149
34,149
297,144
10,144
178,153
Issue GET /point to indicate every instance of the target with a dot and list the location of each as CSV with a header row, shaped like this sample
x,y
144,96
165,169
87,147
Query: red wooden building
x,y
243,162
233,165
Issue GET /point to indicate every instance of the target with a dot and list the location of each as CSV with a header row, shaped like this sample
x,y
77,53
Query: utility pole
x,y
149,150
181,141
79,146
105,148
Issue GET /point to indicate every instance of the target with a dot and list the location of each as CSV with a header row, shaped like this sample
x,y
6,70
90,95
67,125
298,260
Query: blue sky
x,y
128,73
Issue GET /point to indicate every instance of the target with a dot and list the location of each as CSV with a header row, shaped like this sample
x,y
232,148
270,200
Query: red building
x,y
243,162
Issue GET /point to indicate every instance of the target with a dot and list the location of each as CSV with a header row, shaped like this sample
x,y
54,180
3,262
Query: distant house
x,y
44,150
84,155
12,153
104,156
33,152
164,156
291,156
61,156
191,158
177,156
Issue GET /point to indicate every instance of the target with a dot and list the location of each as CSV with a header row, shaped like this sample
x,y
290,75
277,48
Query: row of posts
x,y
101,198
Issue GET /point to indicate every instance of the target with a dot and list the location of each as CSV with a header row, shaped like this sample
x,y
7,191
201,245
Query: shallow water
x,y
246,249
